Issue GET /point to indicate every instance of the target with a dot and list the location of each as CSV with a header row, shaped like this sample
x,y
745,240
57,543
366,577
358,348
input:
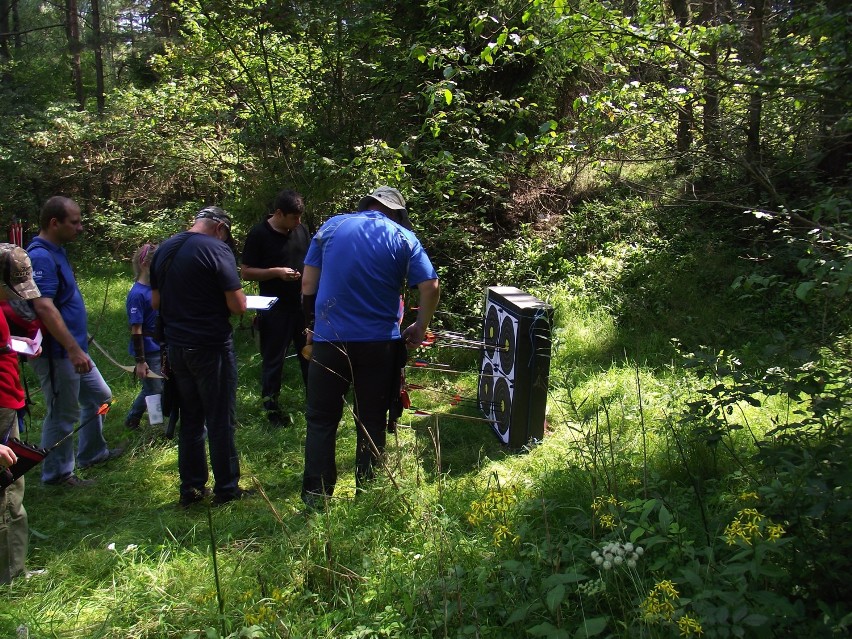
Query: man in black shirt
x,y
274,255
196,288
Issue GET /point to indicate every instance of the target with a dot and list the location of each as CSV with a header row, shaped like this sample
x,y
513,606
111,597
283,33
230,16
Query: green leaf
x,y
547,630
518,614
563,578
448,96
803,289
755,620
637,532
554,598
665,517
591,627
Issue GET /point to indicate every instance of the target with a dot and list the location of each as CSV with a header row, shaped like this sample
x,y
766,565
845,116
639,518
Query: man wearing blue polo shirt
x,y
72,385
356,266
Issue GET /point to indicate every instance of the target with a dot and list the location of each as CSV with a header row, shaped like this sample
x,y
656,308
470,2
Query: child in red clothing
x,y
15,283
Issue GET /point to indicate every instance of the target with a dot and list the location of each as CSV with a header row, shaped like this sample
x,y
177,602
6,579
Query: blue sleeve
x,y
314,256
135,307
420,267
44,272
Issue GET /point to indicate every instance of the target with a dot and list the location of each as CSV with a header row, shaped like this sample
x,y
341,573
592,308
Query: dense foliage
x,y
672,176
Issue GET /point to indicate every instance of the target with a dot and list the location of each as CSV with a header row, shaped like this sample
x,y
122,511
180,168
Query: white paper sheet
x,y
260,302
20,346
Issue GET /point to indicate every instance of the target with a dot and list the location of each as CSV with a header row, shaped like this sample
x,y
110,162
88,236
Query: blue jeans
x,y
368,366
150,386
207,386
70,397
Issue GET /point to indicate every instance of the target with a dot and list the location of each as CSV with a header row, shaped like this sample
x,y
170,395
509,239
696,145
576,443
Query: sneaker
x,y
240,493
193,497
111,453
71,481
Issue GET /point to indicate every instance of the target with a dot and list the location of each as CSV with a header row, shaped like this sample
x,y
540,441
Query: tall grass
x,y
457,537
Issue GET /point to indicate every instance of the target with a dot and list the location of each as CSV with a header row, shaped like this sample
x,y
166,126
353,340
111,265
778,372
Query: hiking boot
x,y
194,496
238,494
112,453
70,481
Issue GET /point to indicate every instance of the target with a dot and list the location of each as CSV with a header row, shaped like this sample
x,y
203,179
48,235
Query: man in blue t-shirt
x,y
72,385
196,288
354,270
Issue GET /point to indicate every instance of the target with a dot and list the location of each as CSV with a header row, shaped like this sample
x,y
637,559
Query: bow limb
x,y
115,362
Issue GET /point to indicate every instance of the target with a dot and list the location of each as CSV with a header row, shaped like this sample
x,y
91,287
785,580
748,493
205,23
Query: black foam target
x,y
492,331
486,388
507,345
502,406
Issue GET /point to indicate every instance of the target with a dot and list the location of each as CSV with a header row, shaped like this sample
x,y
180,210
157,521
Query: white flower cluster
x,y
617,554
591,588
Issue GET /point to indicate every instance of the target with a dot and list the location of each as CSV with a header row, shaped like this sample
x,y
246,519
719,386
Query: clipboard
x,y
260,302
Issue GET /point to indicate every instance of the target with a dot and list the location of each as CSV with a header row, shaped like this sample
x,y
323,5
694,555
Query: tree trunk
x,y
99,56
710,54
16,25
683,139
5,11
72,32
755,105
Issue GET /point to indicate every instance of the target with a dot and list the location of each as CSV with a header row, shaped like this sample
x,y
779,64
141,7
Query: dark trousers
x,y
369,366
278,329
207,385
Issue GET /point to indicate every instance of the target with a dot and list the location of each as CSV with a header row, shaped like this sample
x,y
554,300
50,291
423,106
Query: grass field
x,y
655,506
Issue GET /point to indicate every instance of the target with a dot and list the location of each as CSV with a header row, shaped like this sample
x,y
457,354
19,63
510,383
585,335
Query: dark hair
x,y
290,202
58,207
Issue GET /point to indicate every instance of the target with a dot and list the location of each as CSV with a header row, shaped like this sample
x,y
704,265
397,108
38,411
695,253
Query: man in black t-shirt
x,y
274,256
196,288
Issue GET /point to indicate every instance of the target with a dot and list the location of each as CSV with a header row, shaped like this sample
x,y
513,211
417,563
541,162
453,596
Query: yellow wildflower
x,y
659,605
774,531
689,626
749,525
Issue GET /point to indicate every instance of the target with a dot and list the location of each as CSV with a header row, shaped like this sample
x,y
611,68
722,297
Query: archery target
x,y
486,388
515,364
497,376
508,329
502,408
492,331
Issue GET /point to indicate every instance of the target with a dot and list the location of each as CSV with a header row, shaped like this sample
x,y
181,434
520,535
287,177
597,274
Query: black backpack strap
x,y
161,277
